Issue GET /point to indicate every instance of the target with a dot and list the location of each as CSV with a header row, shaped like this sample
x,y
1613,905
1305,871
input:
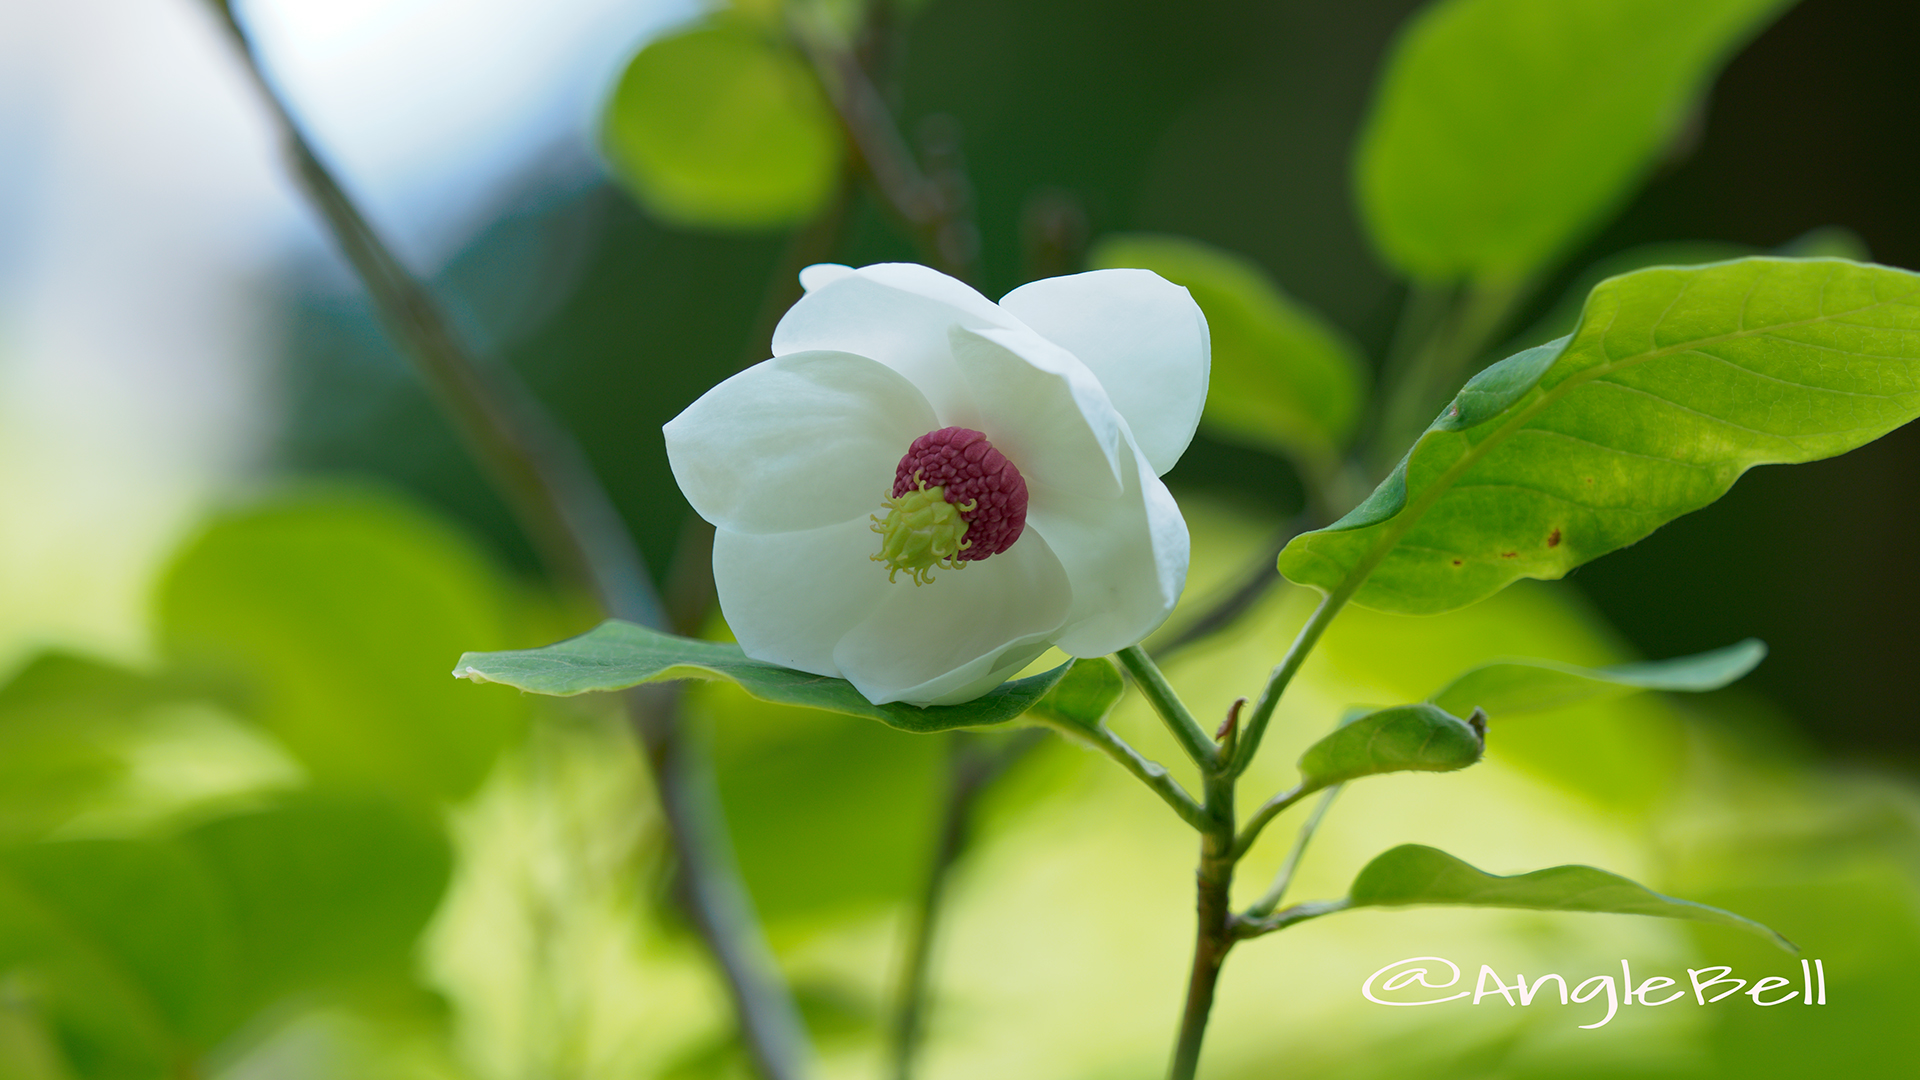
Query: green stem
x,y
1214,930
1278,890
1255,726
1154,687
1298,913
1150,772
1254,583
1269,810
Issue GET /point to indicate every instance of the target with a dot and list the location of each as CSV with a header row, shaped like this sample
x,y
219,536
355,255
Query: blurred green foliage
x,y
147,941
1282,378
1504,129
723,125
294,847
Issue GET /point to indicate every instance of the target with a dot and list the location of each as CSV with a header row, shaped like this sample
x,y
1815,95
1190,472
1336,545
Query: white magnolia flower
x,y
923,490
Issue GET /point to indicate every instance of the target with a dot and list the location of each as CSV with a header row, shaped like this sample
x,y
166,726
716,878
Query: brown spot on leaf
x,y
1457,562
1509,554
1553,538
1589,479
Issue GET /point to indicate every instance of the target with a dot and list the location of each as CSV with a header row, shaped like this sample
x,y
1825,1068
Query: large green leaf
x,y
1404,738
1503,129
1825,242
1676,382
1416,874
723,125
336,615
1507,687
324,892
127,944
63,720
146,954
1283,379
616,655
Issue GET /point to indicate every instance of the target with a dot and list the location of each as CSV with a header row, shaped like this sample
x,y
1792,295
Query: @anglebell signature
x,y
1410,982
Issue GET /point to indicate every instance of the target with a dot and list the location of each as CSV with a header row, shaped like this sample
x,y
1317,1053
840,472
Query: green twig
x,y
1278,890
1298,913
1214,928
1154,687
1269,810
1151,773
1256,723
1255,582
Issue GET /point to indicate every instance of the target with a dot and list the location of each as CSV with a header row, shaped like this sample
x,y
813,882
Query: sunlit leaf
x,y
616,655
1086,695
1507,687
1416,874
723,125
1825,242
1283,379
1677,381
336,616
1504,129
1404,738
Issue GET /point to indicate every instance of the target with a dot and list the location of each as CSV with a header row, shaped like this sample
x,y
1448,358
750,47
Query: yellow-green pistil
x,y
922,530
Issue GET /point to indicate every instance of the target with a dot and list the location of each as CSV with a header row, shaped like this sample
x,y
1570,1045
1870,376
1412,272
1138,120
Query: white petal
x,y
898,314
961,635
790,597
820,275
1125,557
796,442
1142,336
1041,408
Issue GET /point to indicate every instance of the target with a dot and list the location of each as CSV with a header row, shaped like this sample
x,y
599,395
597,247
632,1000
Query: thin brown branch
x,y
972,768
563,507
931,204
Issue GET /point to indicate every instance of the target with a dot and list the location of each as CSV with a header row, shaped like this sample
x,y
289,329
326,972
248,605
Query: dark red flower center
x,y
955,500
966,466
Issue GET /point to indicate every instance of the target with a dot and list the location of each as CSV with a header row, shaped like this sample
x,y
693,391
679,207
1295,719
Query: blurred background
x,y
240,548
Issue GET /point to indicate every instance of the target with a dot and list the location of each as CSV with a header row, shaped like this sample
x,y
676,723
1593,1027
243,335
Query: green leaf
x,y
1505,129
1416,874
1507,687
337,614
127,945
1676,382
61,718
1825,242
1090,690
616,655
1283,379
324,891
1404,738
723,126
